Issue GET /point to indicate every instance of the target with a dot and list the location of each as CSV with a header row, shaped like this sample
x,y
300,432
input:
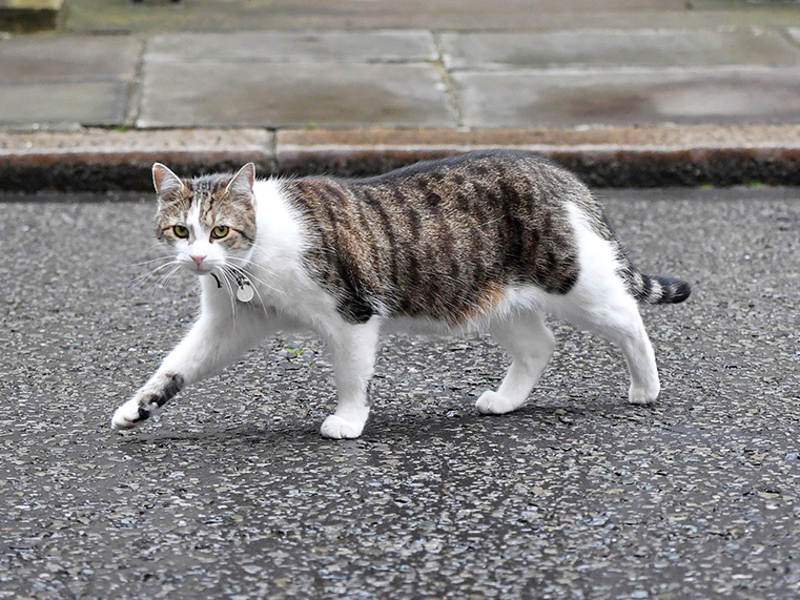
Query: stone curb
x,y
101,160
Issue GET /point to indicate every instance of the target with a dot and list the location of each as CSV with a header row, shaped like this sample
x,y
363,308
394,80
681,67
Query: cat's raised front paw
x,y
127,416
337,428
492,403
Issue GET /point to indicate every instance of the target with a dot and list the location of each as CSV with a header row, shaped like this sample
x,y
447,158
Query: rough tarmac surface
x,y
231,493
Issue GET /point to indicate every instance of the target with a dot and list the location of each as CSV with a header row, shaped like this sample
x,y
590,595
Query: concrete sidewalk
x,y
627,93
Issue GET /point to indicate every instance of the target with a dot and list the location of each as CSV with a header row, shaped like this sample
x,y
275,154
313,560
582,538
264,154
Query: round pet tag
x,y
245,292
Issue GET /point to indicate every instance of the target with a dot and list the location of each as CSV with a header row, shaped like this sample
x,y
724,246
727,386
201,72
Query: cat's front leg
x,y
212,343
152,396
353,348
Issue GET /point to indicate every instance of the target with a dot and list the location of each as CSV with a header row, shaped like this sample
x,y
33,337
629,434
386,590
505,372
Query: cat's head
x,y
208,221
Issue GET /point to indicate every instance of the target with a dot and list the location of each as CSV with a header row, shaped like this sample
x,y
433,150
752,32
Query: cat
x,y
487,240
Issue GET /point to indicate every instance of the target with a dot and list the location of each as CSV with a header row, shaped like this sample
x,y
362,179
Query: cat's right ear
x,y
168,185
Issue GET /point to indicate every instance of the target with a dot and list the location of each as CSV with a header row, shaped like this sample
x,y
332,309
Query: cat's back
x,y
484,177
485,183
440,238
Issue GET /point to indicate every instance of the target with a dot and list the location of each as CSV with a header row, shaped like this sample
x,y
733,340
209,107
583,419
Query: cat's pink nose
x,y
198,259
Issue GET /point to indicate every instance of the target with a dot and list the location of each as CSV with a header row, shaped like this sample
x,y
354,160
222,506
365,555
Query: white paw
x,y
492,403
337,428
126,416
643,395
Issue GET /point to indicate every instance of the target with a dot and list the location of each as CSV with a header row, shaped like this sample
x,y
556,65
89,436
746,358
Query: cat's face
x,y
209,222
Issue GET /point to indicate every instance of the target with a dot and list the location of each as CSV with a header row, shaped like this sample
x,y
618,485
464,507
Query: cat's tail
x,y
658,289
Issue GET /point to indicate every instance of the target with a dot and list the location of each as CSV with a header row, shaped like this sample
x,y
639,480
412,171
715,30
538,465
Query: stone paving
x,y
403,78
438,74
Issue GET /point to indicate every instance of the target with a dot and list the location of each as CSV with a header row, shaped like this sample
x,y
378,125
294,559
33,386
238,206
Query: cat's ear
x,y
241,186
167,184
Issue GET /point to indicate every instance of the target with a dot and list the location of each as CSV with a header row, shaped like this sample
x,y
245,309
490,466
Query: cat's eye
x,y
220,231
180,231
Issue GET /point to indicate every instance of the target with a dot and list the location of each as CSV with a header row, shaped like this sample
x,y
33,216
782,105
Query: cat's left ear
x,y
241,186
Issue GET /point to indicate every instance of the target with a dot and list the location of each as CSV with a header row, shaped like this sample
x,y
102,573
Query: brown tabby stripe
x,y
441,239
169,385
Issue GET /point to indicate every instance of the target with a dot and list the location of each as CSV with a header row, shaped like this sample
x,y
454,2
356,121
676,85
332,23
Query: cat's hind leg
x,y
530,344
353,348
620,322
601,302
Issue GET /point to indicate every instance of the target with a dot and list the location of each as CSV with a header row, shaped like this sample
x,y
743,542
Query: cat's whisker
x,y
262,282
157,248
256,289
156,282
156,273
231,292
165,277
150,261
247,273
165,265
243,273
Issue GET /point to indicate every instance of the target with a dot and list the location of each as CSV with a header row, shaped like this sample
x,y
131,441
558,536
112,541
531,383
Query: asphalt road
x,y
231,493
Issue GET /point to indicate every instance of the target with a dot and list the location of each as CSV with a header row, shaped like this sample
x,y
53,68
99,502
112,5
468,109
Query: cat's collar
x,y
244,289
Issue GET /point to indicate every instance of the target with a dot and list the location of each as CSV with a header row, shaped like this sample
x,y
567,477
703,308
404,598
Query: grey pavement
x,y
440,70
231,493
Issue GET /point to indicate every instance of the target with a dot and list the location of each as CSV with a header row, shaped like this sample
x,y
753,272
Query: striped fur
x,y
438,239
441,239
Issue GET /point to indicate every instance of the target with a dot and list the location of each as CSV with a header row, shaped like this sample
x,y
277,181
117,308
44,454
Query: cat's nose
x,y
198,259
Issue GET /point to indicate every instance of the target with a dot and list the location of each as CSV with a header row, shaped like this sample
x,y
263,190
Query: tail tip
x,y
673,290
682,291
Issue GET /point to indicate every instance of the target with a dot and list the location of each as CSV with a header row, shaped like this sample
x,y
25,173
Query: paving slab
x,y
536,98
292,95
617,48
67,79
285,79
294,46
89,103
70,57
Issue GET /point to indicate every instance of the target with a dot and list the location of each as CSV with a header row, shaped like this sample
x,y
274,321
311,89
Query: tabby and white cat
x,y
487,240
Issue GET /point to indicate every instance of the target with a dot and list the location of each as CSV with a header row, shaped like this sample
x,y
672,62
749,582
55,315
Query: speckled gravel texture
x,y
231,493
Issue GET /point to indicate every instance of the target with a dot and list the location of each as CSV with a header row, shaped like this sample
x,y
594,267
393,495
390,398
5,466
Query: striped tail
x,y
658,289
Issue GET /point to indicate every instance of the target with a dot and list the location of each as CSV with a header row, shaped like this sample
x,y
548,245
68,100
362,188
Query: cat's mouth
x,y
200,270
203,268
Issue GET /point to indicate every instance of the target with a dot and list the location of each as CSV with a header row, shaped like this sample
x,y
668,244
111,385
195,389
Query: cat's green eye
x,y
220,231
180,231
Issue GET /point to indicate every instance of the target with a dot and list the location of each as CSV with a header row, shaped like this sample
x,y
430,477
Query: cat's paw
x,y
492,403
128,416
643,395
337,428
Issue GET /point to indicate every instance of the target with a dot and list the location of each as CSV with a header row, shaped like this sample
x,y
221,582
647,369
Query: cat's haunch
x,y
490,240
